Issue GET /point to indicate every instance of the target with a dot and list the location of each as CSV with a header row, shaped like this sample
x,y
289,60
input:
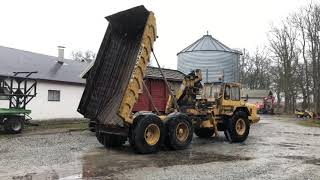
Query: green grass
x,y
310,123
300,121
52,126
80,124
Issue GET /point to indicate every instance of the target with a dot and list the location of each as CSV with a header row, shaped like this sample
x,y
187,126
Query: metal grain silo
x,y
212,57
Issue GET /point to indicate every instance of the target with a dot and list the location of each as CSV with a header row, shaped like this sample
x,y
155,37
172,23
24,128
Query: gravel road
x,y
277,148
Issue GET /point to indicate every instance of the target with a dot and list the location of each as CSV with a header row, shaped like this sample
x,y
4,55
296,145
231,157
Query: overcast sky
x,y
40,25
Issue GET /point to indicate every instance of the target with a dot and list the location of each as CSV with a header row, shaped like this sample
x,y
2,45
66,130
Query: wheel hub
x,y
182,132
152,134
240,127
16,125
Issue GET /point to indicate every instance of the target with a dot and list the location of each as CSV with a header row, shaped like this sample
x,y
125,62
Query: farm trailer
x,y
18,90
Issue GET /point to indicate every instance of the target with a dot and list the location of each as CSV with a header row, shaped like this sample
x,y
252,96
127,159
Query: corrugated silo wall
x,y
215,62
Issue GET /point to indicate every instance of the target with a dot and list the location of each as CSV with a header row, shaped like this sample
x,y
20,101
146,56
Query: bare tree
x,y
283,42
307,22
87,56
312,25
299,23
294,68
254,70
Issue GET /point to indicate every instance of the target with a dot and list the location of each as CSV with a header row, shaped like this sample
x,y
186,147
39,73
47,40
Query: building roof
x,y
256,93
48,67
208,43
170,74
152,73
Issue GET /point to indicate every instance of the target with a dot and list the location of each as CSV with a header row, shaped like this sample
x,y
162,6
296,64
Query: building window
x,y
53,95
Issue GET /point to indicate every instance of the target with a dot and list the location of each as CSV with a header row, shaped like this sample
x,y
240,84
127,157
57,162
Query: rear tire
x,y
13,125
238,127
147,134
180,132
204,132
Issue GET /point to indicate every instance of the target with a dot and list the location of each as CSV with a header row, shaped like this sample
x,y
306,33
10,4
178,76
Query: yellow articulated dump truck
x,y
116,77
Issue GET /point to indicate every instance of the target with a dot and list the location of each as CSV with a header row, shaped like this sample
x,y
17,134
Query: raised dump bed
x,y
115,78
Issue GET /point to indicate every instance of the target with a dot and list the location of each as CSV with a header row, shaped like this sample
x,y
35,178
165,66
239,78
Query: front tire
x,y
238,127
180,132
13,125
147,134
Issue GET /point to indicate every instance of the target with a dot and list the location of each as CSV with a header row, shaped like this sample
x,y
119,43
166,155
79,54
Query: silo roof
x,y
208,43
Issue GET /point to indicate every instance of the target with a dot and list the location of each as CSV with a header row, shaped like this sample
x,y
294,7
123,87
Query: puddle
x,y
111,162
286,145
25,177
2,151
307,160
295,133
313,161
294,157
29,176
264,123
292,145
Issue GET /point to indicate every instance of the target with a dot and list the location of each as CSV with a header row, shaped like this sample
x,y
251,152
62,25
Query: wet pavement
x,y
277,148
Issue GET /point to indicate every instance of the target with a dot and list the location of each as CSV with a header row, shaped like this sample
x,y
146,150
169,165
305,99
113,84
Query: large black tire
x,y
204,132
13,125
147,134
110,140
136,119
240,134
179,131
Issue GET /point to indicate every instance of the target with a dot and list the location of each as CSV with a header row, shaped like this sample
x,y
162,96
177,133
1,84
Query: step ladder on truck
x,y
18,90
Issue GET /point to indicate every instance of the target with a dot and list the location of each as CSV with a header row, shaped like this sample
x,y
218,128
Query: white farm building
x,y
59,87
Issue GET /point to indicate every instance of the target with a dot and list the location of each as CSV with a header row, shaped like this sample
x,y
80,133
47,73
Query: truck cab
x,y
228,98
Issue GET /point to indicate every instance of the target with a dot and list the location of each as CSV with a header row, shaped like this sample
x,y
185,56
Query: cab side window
x,y
227,92
235,93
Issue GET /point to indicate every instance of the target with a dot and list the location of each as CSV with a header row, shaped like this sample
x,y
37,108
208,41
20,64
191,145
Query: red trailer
x,y
158,89
268,105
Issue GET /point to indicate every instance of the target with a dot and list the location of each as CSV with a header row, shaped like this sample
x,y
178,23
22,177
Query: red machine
x,y
267,107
